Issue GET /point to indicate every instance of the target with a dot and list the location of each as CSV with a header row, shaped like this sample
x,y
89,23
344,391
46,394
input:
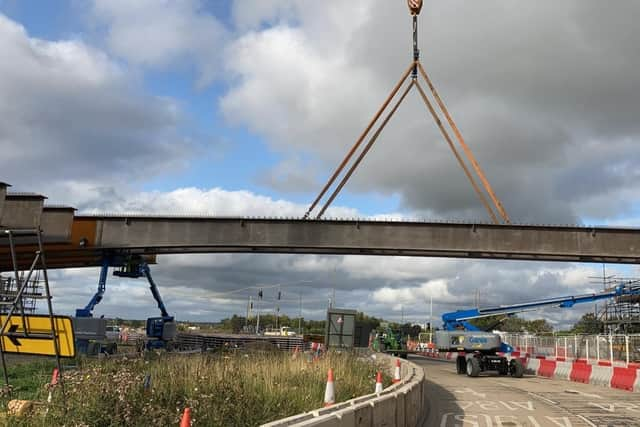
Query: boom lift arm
x,y
87,311
457,320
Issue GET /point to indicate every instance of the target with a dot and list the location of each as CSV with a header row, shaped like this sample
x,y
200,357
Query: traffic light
x,y
260,293
279,294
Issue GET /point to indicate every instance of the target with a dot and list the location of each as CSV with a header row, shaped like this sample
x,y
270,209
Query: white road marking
x,y
470,390
561,422
608,407
471,420
451,419
549,401
583,393
586,420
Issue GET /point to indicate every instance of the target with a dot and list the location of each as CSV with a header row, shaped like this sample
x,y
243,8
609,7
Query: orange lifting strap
x,y
414,69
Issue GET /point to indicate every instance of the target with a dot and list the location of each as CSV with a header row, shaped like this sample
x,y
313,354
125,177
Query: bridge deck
x,y
92,235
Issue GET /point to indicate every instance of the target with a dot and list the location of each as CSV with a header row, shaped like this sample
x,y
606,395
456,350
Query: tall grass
x,y
222,389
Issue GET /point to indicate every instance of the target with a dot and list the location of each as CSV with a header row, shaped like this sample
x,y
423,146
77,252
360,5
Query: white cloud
x,y
165,33
194,201
436,289
71,117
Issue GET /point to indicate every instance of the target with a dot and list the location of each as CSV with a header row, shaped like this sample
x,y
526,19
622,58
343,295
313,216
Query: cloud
x,y
70,116
160,34
195,201
548,109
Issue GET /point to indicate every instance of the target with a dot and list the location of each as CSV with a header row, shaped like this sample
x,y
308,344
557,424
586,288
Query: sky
x,y
245,107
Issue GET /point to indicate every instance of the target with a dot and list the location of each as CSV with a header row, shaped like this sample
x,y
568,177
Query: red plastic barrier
x,y
581,361
541,357
624,378
580,372
561,359
547,368
515,354
634,365
604,363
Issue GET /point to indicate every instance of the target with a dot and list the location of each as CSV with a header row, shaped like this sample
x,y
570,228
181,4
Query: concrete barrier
x,y
601,375
402,405
580,372
563,370
624,378
532,366
384,410
547,368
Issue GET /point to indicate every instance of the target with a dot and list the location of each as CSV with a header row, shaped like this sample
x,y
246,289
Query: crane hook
x,y
414,6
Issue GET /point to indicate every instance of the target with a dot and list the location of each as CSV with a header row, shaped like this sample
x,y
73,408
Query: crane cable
x,y
414,6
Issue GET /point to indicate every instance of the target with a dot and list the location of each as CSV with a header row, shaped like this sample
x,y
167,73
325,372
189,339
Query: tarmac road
x,y
496,401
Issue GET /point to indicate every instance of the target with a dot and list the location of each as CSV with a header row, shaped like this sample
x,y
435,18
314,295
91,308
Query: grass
x,y
27,379
222,389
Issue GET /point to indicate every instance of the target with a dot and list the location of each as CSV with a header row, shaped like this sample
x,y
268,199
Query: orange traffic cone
x,y
379,386
329,391
186,418
396,373
54,376
54,381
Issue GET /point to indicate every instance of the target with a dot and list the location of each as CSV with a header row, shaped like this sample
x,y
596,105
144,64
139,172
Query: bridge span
x,y
81,240
89,236
146,234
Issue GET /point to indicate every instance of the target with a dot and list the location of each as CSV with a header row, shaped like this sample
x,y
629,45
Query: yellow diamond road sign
x,y
33,340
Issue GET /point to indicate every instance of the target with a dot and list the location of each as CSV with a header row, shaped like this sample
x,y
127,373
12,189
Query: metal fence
x,y
214,341
614,348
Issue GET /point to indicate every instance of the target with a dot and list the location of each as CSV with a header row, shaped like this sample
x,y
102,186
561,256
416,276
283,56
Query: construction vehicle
x,y
91,332
388,340
161,330
478,351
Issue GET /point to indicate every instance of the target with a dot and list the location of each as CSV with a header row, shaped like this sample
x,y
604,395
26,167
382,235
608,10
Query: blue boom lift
x,y
478,350
160,330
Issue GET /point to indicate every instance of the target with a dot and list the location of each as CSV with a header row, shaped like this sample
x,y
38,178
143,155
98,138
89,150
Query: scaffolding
x,y
9,288
620,315
19,297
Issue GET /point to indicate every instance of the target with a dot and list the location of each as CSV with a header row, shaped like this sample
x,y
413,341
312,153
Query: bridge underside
x,y
91,236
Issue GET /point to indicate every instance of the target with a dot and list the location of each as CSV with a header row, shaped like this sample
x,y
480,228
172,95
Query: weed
x,y
221,389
